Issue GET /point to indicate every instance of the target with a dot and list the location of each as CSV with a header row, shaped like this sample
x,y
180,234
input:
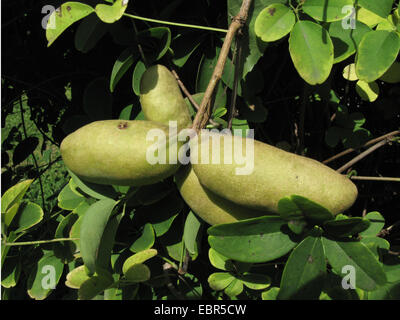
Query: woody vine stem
x,y
205,108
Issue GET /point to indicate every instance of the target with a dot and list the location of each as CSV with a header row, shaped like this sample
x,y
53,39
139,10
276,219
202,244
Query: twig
x,y
363,155
236,80
204,113
375,178
188,95
175,23
28,243
371,142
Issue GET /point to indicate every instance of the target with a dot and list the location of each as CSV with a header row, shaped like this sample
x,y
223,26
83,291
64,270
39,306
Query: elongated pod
x,y
161,97
120,152
210,207
259,175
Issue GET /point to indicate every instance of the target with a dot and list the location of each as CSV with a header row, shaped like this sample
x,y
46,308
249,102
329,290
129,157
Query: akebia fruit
x,y
161,98
210,207
120,152
259,175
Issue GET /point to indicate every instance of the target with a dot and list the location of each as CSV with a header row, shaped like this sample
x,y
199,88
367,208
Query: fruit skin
x,y
114,152
276,174
210,207
161,98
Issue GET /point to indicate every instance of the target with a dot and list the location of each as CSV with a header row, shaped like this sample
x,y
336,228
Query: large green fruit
x,y
270,174
210,207
161,98
117,152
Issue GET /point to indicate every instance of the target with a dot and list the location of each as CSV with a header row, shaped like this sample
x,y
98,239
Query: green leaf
x,y
111,14
349,72
94,286
377,223
127,113
326,10
367,91
254,240
45,276
220,280
184,46
234,288
76,277
270,294
69,200
138,273
255,281
369,272
390,291
376,244
140,68
381,8
14,194
311,210
94,190
311,50
393,74
218,260
89,33
346,41
138,258
253,49
274,22
161,214
10,272
93,225
288,210
145,240
191,233
346,227
121,66
376,53
28,215
368,17
64,250
304,271
155,42
65,16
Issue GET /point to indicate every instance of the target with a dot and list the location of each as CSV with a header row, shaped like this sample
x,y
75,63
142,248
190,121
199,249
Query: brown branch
x,y
237,75
204,113
363,155
371,142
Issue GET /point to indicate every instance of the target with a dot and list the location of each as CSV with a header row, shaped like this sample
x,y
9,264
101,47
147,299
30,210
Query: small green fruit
x,y
117,152
266,174
210,207
161,98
